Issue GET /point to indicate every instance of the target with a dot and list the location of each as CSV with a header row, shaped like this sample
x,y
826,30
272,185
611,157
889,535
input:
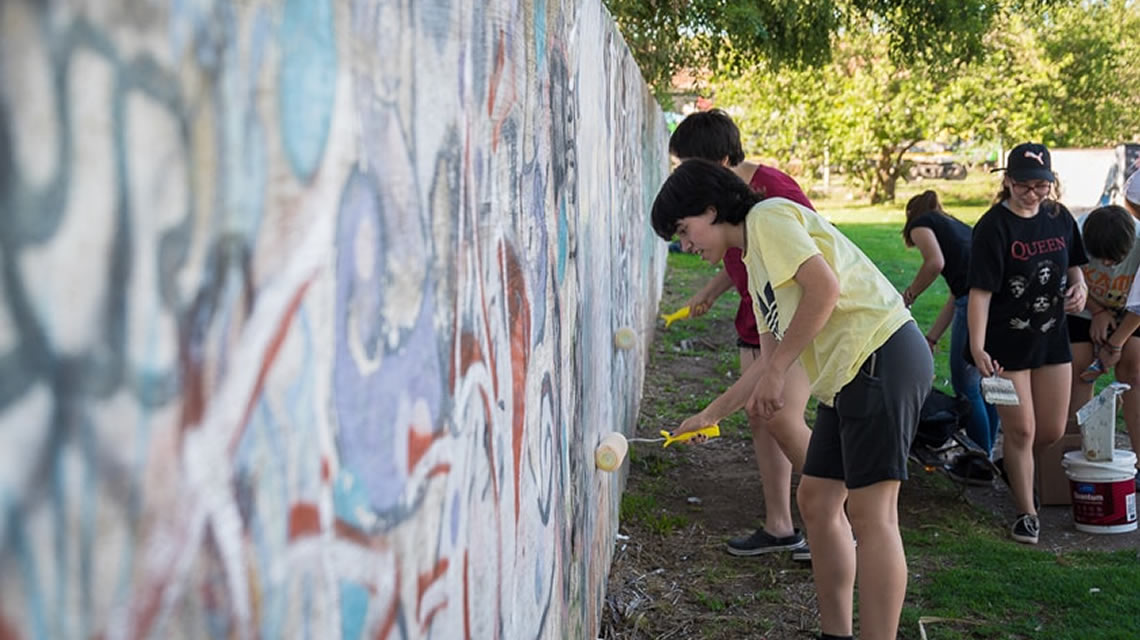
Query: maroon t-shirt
x,y
774,184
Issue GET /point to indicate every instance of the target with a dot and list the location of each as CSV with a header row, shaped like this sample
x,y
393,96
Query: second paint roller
x,y
611,451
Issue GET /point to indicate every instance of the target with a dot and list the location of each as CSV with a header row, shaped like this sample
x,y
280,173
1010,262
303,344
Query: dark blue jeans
x,y
982,423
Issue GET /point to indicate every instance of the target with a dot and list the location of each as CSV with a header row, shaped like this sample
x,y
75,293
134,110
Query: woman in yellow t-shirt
x,y
818,299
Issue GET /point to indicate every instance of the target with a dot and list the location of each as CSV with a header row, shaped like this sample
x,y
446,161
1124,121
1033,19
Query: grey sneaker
x,y
762,542
1025,529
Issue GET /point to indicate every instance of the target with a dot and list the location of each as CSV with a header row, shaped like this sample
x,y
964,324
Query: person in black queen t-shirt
x,y
1024,276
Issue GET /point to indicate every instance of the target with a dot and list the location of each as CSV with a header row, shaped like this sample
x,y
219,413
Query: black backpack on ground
x,y
941,416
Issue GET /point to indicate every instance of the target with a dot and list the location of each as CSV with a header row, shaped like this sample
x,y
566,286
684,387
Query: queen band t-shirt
x,y
1024,262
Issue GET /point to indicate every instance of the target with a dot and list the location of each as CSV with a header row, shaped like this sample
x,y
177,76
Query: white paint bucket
x,y
1104,493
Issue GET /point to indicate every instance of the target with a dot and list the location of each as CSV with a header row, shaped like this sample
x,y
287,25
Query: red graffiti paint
x,y
304,520
267,360
493,368
518,308
426,579
469,353
466,595
388,622
489,442
496,76
8,632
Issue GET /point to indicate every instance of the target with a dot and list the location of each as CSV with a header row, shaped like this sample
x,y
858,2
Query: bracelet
x,y
1113,348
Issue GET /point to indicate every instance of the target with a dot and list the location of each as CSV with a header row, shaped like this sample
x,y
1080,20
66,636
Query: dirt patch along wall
x,y
307,315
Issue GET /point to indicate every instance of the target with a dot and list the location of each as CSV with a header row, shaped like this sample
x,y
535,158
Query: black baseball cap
x,y
1029,161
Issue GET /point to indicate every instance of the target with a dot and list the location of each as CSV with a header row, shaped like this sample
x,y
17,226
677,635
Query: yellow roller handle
x,y
710,431
679,314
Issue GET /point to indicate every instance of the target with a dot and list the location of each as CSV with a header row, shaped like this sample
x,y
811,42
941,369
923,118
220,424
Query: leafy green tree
x,y
1001,96
779,114
1094,51
863,108
878,110
1068,76
667,36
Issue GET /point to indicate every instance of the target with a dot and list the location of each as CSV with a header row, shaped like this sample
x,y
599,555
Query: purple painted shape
x,y
366,396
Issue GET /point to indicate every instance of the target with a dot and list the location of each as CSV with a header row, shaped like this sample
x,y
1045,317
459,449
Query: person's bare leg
x,y
1017,441
832,551
880,559
787,427
1051,384
1128,371
1081,392
775,469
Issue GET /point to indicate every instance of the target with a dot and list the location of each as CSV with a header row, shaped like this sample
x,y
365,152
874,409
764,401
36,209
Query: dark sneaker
x,y
803,554
971,469
762,542
1025,529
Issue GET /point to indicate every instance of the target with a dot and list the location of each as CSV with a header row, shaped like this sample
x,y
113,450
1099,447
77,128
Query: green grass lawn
x,y
965,567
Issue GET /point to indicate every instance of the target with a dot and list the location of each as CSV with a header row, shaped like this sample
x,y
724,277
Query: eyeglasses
x,y
1040,188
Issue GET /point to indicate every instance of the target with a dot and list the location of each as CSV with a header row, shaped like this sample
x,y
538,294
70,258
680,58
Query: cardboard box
x,y
1052,483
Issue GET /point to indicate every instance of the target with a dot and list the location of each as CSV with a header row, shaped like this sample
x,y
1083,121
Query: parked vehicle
x,y
932,160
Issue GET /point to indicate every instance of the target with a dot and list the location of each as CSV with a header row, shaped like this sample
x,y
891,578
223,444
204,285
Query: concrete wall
x,y
306,315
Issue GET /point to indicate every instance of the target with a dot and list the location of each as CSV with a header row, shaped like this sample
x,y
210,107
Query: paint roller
x,y
625,338
611,452
612,449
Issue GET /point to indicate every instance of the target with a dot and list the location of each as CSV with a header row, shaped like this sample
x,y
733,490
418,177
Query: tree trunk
x,y
887,171
883,187
889,187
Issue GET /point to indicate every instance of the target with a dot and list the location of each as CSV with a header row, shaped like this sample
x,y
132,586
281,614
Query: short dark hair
x,y
694,186
1108,233
709,135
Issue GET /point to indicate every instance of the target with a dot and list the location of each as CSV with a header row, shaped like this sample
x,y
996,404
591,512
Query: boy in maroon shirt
x,y
779,442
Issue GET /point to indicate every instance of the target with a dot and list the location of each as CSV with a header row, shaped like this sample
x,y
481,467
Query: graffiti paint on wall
x,y
306,315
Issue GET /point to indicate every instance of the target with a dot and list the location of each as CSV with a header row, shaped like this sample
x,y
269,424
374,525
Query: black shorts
x,y
1079,329
743,344
866,436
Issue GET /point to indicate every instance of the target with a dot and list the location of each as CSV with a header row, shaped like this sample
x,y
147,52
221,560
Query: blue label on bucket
x,y
1082,487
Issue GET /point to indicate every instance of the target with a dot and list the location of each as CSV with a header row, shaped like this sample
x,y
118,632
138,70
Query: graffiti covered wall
x,y
307,314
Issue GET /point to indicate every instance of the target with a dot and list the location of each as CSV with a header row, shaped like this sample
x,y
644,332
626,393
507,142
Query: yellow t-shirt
x,y
782,235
